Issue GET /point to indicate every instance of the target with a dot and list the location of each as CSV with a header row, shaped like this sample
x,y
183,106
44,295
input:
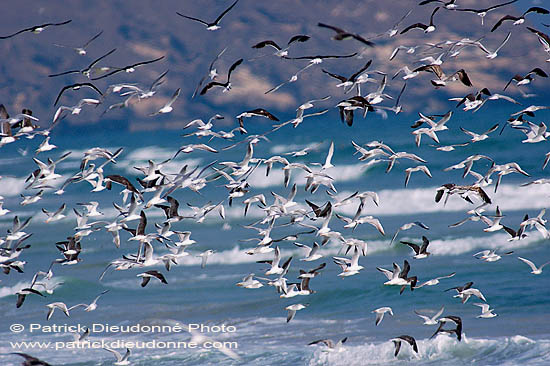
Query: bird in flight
x,y
213,25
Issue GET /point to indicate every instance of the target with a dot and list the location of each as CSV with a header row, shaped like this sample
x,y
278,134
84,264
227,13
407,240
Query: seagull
x,y
120,360
36,29
129,68
407,227
482,13
393,31
212,73
214,25
380,313
521,18
486,312
21,295
434,319
279,50
351,266
146,277
544,40
292,309
205,256
342,34
442,78
397,343
421,168
87,71
227,84
467,293
77,86
427,28
534,269
258,112
76,109
55,216
81,50
93,305
490,255
420,251
446,4
30,360
250,282
523,80
3,211
311,252
57,305
331,346
348,81
479,137
492,55
167,108
450,318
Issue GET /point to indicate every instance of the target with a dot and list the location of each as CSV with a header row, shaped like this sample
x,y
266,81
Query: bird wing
x,y
225,12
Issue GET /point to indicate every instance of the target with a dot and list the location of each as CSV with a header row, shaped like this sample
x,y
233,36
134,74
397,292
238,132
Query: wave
x,y
422,200
279,149
442,350
12,290
10,186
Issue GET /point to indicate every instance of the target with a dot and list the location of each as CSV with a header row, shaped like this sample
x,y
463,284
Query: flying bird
x,y
482,13
213,25
426,28
342,34
167,108
227,84
36,29
81,50
521,18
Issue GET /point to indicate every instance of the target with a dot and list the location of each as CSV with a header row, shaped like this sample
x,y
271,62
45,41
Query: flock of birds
x,y
156,190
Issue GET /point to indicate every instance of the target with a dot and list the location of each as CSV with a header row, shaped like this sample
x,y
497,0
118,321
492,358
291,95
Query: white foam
x,y
278,149
443,349
10,186
12,290
422,200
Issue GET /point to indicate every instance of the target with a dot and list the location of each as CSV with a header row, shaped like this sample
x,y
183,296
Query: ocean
x,y
252,322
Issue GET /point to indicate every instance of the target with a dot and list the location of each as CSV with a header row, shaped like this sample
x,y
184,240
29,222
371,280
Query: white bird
x,y
167,108
351,266
331,346
57,305
419,168
292,309
205,256
407,227
492,55
120,360
380,313
479,137
311,252
486,312
534,269
93,305
490,255
434,281
431,320
56,215
467,293
76,109
250,282
45,146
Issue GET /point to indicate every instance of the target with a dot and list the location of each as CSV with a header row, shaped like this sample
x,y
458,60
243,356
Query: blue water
x,y
519,335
